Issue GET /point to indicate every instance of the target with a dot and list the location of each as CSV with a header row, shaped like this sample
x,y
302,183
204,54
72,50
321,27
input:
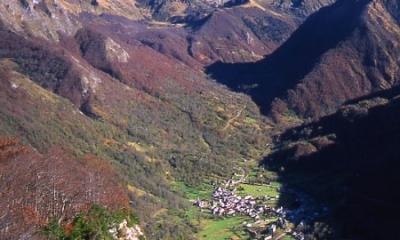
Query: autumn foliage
x,y
36,188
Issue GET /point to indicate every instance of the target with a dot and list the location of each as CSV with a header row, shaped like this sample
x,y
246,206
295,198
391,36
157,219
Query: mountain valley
x,y
122,117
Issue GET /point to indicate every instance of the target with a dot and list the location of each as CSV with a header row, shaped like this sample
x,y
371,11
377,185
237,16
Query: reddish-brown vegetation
x,y
36,188
45,63
8,149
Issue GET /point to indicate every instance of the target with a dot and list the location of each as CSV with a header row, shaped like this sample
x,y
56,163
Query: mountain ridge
x,y
312,56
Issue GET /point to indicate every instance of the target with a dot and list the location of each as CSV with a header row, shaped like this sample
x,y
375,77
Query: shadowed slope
x,y
341,52
349,161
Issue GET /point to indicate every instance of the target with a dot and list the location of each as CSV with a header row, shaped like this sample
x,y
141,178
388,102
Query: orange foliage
x,y
6,142
31,216
68,228
9,148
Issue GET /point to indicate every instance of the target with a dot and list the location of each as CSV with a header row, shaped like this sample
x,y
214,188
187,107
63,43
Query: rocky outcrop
x,y
191,10
122,231
302,7
50,19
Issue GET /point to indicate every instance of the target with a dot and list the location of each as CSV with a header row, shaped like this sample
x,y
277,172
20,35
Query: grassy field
x,y
287,238
258,190
202,191
222,229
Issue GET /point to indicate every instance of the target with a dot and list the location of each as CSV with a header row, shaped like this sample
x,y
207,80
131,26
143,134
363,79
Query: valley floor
x,y
259,185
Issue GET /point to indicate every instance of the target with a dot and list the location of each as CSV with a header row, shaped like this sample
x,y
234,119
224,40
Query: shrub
x,y
91,225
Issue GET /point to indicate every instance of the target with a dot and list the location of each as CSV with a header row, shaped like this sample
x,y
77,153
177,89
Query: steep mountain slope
x,y
240,32
99,92
341,52
237,31
349,161
49,18
186,11
301,7
34,190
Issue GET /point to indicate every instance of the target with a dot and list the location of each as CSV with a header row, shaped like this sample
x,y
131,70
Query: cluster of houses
x,y
271,231
227,203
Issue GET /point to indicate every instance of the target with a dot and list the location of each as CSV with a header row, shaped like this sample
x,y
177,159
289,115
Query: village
x,y
268,222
